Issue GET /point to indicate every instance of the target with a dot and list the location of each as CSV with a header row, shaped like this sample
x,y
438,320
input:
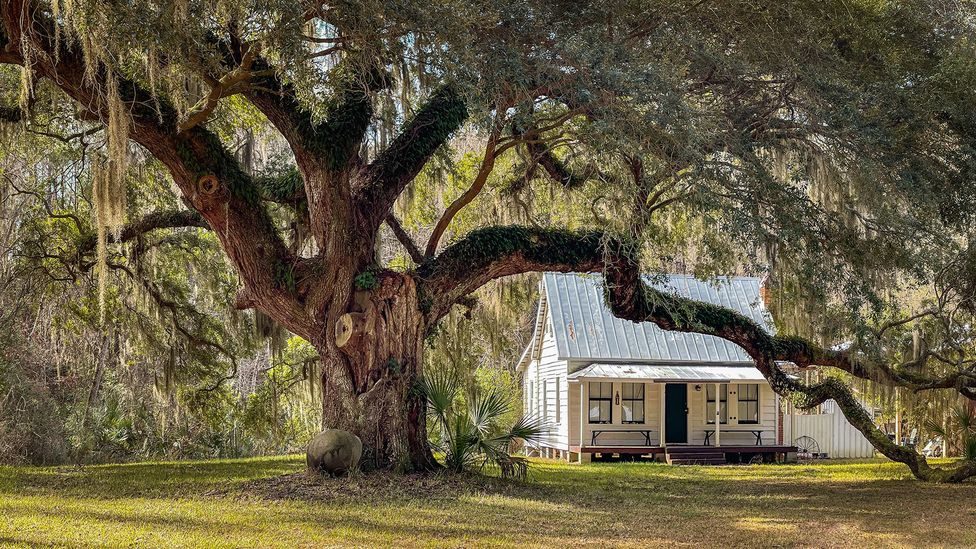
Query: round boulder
x,y
334,451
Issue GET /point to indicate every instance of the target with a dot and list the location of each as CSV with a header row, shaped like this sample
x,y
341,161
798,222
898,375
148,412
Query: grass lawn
x,y
269,502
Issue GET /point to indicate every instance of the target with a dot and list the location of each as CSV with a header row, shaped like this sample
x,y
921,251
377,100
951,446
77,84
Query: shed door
x,y
676,413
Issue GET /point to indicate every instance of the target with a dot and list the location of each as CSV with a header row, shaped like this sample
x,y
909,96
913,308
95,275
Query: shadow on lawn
x,y
768,505
149,479
597,503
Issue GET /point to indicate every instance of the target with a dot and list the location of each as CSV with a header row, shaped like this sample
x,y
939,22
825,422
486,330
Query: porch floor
x,y
696,454
684,448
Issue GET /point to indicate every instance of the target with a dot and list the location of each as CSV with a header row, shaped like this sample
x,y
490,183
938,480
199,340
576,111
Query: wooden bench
x,y
758,433
645,432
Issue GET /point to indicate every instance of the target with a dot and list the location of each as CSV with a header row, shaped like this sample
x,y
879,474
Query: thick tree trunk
x,y
371,364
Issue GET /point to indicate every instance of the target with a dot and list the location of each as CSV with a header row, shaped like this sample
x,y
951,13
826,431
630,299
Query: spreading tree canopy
x,y
828,142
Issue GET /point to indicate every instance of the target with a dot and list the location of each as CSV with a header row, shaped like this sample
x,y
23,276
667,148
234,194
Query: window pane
x,y
627,391
710,412
710,392
605,410
626,411
594,411
639,412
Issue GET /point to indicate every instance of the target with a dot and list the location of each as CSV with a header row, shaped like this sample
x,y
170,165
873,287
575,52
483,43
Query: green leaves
x,y
473,435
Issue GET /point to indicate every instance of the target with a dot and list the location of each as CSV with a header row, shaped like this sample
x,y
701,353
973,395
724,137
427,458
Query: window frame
x,y
556,401
740,401
710,417
633,400
590,399
545,400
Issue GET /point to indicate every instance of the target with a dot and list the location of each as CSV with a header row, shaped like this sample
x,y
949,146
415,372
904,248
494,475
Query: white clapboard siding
x,y
552,377
652,412
732,434
574,330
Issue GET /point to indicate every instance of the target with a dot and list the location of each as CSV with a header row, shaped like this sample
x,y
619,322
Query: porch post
x,y
582,410
718,415
663,408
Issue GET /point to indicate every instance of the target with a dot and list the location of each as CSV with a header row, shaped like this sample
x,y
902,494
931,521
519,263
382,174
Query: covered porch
x,y
678,414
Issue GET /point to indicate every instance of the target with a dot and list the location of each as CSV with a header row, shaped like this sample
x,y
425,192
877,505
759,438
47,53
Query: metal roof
x,y
585,329
649,372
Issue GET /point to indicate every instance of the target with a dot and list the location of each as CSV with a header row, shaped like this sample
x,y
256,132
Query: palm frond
x,y
965,418
487,409
529,429
440,388
473,437
936,428
969,448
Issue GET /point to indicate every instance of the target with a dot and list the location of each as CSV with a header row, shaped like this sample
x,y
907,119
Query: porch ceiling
x,y
647,372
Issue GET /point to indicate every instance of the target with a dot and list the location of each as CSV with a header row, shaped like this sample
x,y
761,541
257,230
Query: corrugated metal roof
x,y
649,372
585,329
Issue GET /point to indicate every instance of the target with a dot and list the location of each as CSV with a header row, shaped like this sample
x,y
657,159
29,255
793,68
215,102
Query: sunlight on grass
x,y
249,503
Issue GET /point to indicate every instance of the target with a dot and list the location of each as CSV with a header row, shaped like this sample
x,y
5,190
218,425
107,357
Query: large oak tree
x,y
836,138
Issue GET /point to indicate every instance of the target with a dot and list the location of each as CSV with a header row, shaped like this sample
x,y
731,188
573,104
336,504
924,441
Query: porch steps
x,y
678,457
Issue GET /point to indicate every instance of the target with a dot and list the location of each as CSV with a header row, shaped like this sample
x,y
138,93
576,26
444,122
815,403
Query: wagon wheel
x,y
807,447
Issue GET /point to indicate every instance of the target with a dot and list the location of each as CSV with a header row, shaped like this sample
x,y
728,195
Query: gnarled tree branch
x,y
408,244
386,177
208,175
502,251
157,220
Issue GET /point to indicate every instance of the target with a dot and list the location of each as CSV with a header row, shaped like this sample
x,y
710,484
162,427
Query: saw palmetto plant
x,y
472,429
962,425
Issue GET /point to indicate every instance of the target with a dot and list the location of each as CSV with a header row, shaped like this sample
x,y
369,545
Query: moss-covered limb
x,y
286,187
631,298
170,219
386,177
494,252
336,138
803,353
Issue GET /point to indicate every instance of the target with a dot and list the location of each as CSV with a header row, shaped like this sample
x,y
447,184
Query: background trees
x,y
830,143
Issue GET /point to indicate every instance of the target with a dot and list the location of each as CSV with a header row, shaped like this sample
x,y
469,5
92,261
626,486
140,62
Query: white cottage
x,y
646,391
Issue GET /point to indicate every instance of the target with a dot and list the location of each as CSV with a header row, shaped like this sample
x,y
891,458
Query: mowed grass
x,y
269,502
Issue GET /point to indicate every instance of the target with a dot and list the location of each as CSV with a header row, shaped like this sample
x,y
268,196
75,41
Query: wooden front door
x,y
676,413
